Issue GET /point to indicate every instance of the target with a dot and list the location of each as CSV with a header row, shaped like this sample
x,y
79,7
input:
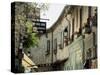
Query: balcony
x,y
62,54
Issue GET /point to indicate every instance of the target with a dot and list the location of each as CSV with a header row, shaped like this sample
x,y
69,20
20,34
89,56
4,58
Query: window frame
x,y
48,47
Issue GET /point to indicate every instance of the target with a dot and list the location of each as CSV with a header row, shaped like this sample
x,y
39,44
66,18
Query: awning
x,y
28,63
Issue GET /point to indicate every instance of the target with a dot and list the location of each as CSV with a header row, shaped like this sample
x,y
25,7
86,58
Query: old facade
x,y
20,13
71,43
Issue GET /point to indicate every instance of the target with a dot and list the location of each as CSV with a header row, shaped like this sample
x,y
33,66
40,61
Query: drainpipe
x,y
52,47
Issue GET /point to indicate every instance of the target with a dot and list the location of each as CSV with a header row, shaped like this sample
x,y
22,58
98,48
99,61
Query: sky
x,y
52,13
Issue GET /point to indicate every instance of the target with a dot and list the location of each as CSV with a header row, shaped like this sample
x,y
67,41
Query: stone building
x,y
71,42
83,36
20,13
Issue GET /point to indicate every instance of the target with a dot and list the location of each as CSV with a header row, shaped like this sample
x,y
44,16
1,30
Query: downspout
x,y
52,47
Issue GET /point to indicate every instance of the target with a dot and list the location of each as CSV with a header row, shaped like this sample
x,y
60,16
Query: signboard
x,y
39,27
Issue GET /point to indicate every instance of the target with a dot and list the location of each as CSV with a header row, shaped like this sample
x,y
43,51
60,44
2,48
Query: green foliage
x,y
32,39
22,9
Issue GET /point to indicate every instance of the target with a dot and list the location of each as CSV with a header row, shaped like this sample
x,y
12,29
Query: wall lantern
x,y
65,32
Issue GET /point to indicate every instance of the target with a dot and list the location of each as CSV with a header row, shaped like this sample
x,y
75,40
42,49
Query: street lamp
x,y
66,36
65,32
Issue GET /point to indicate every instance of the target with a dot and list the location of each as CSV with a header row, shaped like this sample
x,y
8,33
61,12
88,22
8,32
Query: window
x,y
73,29
48,47
55,46
77,17
89,12
61,45
89,17
80,30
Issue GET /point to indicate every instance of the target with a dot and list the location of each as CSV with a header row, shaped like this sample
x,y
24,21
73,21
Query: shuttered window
x,y
48,47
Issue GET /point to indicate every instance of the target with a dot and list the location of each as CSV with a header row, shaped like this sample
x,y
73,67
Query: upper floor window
x,y
89,12
55,46
48,47
61,45
80,29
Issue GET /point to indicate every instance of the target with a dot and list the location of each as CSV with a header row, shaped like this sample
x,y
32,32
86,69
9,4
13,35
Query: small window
x,y
61,45
55,46
48,47
81,17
